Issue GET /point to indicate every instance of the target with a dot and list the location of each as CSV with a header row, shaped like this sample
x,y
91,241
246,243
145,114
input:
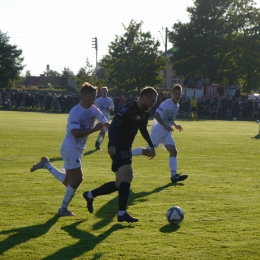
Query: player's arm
x,y
157,116
112,136
144,132
79,133
106,125
179,127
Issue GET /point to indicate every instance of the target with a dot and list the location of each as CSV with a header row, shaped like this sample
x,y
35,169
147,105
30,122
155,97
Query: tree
x,y
198,42
67,72
85,74
221,41
243,44
10,61
134,60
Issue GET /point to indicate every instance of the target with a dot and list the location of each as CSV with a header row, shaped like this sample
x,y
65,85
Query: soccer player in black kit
x,y
131,117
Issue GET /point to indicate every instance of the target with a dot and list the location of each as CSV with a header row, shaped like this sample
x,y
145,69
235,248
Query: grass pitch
x,y
220,198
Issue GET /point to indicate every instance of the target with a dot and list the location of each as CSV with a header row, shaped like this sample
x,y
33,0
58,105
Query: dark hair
x,y
176,86
87,88
148,91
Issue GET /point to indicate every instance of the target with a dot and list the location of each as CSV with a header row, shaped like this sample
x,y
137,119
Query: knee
x,y
173,153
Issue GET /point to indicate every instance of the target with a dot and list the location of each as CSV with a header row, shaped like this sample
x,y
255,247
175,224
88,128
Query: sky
x,y
60,32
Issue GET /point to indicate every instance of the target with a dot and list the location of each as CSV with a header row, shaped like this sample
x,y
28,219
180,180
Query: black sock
x,y
106,188
124,190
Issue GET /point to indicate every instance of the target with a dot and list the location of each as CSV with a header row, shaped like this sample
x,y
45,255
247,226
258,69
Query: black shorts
x,y
123,156
194,109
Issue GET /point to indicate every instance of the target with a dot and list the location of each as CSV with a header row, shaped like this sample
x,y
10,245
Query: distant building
x,y
170,77
45,82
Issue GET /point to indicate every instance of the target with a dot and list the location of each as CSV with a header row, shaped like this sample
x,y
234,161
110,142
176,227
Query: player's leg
x,y
103,133
140,151
124,177
100,138
156,139
45,164
195,114
173,163
104,189
74,176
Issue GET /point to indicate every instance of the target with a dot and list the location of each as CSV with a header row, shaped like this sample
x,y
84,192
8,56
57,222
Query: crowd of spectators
x,y
224,107
38,100
207,107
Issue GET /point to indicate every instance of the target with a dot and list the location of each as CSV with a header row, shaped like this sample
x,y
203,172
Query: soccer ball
x,y
174,215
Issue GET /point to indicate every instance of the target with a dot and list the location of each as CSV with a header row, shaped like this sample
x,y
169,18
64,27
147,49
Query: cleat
x,y
179,177
40,165
126,217
65,213
97,145
89,202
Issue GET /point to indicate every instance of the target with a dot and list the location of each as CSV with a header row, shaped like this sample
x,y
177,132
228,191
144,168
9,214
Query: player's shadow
x,y
24,234
55,159
110,209
86,242
257,136
90,152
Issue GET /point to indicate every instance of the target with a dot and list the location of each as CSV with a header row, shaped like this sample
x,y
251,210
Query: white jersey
x,y
103,104
168,112
82,118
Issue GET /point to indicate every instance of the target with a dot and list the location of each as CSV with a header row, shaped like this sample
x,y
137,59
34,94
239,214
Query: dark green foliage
x,y
221,41
134,60
10,61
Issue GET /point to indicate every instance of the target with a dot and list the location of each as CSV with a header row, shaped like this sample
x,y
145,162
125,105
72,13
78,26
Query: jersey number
x,y
124,154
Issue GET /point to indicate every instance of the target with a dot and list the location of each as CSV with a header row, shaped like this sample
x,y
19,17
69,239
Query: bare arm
x,y
160,121
78,133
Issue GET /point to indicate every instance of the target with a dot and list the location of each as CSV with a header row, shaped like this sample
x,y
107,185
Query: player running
x,y
106,105
80,125
162,129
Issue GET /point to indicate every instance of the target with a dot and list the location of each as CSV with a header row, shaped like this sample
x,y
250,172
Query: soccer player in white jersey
x,y
80,125
162,129
105,104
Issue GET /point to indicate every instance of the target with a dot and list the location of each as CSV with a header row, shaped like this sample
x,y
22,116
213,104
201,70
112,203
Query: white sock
x,y
98,137
59,175
121,212
137,151
173,165
101,140
70,192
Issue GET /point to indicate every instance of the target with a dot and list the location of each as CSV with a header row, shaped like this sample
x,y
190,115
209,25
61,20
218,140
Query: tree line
x,y
220,41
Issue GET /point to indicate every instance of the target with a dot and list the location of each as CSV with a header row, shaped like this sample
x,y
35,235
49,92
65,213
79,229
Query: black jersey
x,y
131,118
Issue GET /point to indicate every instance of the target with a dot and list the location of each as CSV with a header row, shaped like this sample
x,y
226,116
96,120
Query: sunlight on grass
x,y
220,198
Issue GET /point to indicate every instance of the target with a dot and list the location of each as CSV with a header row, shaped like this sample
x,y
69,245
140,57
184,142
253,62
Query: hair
x,y
148,92
104,88
176,86
87,88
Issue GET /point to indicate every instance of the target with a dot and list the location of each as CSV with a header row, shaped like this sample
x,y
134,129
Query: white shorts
x,y
161,138
71,156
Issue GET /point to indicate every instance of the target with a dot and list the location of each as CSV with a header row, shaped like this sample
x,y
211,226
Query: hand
x,y
151,154
111,150
179,127
169,129
98,126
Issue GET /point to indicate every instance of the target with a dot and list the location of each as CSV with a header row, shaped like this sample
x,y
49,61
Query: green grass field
x,y
220,198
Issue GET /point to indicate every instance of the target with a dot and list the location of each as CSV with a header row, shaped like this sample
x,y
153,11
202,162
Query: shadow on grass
x,y
169,228
257,136
110,209
24,234
86,242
